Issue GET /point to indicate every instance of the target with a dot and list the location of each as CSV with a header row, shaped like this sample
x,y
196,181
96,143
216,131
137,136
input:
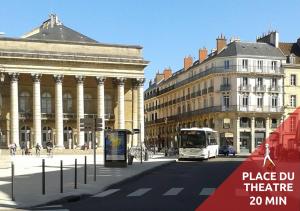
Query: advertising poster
x,y
115,146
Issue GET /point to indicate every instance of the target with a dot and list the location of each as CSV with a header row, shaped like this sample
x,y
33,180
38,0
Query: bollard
x,y
85,169
61,177
43,178
12,180
75,182
141,154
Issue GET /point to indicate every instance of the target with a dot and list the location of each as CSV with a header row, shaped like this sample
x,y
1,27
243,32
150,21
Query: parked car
x,y
227,150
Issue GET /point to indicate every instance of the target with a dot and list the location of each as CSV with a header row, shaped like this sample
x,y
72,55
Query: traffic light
x,y
99,124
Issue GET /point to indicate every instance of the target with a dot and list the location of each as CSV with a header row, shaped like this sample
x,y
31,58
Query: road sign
x,y
87,124
99,124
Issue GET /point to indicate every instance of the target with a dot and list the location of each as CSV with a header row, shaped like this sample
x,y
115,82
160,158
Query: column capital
x,y
140,81
100,80
36,77
58,78
79,79
119,81
14,76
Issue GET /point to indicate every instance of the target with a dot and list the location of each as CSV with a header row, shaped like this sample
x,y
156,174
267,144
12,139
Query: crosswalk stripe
x,y
173,192
106,193
139,192
207,191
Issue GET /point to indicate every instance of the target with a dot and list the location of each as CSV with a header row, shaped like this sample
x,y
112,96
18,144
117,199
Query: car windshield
x,y
193,140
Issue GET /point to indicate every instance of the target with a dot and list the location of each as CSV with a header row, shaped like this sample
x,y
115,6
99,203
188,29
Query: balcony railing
x,y
210,89
225,87
69,115
245,88
204,91
274,89
245,124
261,88
48,115
232,68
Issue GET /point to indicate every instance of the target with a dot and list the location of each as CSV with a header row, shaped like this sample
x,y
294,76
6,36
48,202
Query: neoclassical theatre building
x,y
53,76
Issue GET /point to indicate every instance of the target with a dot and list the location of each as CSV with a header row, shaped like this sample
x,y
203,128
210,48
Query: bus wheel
x,y
216,155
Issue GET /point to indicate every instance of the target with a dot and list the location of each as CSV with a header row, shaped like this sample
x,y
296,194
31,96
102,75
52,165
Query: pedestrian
x,y
37,149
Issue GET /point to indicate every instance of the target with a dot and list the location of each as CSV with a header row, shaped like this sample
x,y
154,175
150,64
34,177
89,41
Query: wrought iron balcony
x,y
225,87
204,91
274,89
245,88
260,88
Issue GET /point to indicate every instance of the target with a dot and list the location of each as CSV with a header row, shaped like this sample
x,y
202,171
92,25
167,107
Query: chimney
x,y
188,62
221,43
271,38
167,73
202,54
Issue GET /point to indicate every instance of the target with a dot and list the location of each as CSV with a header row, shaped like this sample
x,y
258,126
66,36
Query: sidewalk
x,y
28,177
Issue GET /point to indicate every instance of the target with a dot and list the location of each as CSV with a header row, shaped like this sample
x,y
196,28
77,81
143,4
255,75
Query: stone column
x,y
141,109
14,109
37,128
252,144
80,109
236,133
121,103
100,108
135,124
59,111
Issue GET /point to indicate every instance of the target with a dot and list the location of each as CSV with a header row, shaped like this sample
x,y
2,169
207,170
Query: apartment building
x,y
237,89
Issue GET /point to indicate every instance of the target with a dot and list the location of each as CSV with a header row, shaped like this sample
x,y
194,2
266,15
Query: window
x,y
225,80
245,63
259,82
226,64
87,103
274,101
291,59
293,101
226,101
211,101
46,103
260,64
68,103
245,81
293,80
226,123
259,101
274,82
274,65
204,103
24,102
292,124
245,100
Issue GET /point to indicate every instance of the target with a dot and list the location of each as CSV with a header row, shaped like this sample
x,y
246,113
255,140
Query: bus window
x,y
211,138
188,140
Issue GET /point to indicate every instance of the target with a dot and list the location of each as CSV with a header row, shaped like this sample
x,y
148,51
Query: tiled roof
x,y
291,48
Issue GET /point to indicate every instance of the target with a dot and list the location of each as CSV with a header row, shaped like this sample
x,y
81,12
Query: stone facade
x,y
49,84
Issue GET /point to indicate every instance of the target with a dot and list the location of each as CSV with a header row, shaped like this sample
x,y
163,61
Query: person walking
x,y
37,149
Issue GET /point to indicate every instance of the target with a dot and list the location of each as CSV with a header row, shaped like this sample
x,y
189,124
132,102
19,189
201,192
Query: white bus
x,y
198,143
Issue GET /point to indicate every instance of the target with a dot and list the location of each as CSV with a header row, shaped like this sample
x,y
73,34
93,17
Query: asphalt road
x,y
177,186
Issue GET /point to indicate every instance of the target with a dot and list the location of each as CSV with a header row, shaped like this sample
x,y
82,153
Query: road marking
x,y
207,191
173,192
106,193
139,192
51,206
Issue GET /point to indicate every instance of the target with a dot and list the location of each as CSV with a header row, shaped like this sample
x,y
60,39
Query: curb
x,y
77,197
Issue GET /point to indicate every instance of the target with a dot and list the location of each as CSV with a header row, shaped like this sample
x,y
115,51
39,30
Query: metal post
x,y
94,140
140,136
75,181
43,178
12,180
85,168
61,177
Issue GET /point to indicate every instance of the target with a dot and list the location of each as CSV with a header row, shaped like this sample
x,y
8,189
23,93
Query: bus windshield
x,y
193,140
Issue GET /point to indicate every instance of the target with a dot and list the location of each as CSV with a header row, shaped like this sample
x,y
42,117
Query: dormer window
x,y
291,59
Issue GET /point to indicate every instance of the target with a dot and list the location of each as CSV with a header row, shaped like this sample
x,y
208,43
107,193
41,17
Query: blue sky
x,y
167,29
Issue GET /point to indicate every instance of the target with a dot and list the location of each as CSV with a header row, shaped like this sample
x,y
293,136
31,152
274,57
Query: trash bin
x,y
146,155
130,159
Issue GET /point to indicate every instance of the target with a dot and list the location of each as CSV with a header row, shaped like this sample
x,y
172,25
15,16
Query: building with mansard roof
x,y
237,89
53,76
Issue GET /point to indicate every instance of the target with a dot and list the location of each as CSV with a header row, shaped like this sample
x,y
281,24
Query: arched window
x,y
46,103
24,102
67,103
87,103
108,104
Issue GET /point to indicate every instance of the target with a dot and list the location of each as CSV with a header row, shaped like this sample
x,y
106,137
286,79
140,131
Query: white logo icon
x,y
267,156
